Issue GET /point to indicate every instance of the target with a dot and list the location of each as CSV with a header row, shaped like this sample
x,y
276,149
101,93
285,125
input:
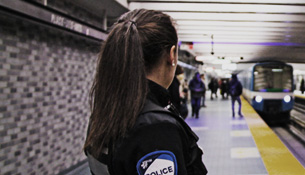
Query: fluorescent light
x,y
209,69
285,2
251,40
227,75
205,58
237,33
219,61
235,16
233,28
237,24
231,66
209,7
277,70
233,58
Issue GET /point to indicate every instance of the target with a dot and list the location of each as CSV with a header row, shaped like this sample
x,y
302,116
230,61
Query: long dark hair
x,y
133,48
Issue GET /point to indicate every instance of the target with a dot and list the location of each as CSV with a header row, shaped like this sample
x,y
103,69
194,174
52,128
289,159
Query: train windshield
x,y
273,78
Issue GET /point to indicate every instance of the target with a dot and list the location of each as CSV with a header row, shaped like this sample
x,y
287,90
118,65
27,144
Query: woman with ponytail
x,y
133,127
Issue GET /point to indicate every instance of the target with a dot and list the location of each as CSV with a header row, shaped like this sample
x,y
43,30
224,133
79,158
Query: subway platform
x,y
236,146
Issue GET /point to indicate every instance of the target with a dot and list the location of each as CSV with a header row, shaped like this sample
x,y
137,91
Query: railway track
x,y
293,134
297,119
293,143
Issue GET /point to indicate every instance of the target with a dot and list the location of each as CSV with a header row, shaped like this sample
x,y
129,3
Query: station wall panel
x,y
45,77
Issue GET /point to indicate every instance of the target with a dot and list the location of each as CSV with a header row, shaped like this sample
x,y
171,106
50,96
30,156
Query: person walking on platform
x,y
203,94
235,89
302,86
197,88
213,86
133,128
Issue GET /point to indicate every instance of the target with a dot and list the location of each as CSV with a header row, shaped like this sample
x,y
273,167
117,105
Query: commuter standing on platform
x,y
185,89
224,89
133,128
235,89
213,86
203,94
197,88
302,86
174,91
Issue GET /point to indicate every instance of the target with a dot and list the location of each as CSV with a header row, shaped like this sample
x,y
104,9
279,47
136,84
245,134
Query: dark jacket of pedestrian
x,y
235,87
196,87
213,85
224,87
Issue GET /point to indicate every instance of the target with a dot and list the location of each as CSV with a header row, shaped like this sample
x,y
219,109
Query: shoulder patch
x,y
158,163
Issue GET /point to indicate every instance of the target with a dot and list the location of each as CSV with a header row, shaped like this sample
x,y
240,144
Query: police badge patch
x,y
158,163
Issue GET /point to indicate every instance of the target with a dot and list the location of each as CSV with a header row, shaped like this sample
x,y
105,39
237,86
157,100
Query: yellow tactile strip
x,y
299,96
277,159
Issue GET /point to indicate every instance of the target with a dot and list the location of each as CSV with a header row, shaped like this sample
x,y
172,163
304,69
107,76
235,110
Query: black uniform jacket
x,y
160,143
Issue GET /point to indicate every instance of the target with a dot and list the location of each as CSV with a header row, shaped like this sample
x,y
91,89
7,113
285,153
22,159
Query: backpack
x,y
233,89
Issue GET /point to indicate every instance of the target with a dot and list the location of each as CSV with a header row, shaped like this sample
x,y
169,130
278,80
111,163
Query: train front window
x,y
273,78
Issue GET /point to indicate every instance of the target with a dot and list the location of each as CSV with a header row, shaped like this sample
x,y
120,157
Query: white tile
x,y
238,122
241,133
199,128
245,152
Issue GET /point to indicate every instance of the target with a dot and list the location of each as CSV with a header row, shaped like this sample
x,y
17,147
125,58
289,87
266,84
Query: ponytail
x,y
119,87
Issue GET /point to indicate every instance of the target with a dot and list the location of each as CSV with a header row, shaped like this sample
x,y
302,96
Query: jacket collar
x,y
158,94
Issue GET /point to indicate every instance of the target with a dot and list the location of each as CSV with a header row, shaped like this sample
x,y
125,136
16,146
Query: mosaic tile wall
x,y
45,77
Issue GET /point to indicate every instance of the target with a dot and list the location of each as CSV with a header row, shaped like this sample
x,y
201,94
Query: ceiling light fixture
x,y
212,43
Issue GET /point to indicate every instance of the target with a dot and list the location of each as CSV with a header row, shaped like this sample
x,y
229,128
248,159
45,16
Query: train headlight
x,y
258,99
287,98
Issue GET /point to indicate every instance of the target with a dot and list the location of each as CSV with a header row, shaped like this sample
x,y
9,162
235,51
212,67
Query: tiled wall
x,y
45,77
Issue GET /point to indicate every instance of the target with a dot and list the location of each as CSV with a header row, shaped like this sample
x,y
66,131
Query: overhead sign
x,y
52,18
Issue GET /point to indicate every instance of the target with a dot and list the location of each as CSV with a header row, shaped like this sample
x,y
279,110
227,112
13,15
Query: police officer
x,y
133,128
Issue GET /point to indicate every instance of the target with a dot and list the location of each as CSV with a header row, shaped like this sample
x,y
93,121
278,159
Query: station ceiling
x,y
241,30
234,30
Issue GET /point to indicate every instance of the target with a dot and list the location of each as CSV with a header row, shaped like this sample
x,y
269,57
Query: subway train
x,y
268,87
